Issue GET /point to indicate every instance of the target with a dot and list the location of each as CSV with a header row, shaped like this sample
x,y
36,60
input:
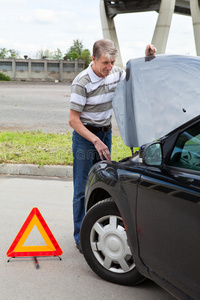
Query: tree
x,y
49,54
13,53
77,51
77,46
86,56
74,55
57,54
43,54
4,53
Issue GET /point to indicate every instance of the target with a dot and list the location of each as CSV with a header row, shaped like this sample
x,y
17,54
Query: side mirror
x,y
152,156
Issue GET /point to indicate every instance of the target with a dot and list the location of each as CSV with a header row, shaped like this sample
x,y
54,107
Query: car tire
x,y
105,247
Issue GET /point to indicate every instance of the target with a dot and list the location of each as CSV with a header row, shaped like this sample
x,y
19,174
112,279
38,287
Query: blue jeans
x,y
84,157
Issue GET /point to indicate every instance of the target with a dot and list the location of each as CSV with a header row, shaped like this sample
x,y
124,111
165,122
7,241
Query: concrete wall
x,y
41,69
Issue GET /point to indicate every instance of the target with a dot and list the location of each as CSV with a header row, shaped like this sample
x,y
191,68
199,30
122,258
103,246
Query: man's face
x,y
102,66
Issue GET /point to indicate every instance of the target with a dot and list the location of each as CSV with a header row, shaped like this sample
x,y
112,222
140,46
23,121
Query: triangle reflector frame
x,y
34,219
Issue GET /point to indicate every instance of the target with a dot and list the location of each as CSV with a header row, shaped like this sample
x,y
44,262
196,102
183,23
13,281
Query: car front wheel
x,y
105,246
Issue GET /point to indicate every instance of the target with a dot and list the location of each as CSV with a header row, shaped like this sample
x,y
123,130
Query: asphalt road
x,y
71,278
36,106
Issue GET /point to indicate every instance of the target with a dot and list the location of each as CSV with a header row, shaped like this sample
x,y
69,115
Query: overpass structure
x,y
164,8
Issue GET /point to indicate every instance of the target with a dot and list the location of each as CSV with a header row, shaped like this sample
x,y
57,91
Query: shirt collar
x,y
94,78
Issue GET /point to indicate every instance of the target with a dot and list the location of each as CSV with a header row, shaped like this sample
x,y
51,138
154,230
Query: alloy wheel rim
x,y
109,244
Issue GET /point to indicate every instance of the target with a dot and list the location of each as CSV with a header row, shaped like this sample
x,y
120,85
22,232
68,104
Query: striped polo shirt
x,y
92,95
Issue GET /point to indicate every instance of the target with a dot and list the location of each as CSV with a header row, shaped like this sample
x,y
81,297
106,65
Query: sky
x,y
31,25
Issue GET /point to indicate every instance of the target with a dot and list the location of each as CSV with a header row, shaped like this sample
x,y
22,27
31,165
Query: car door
x,y
168,215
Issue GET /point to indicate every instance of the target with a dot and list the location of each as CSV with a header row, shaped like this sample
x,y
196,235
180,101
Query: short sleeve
x,y
78,97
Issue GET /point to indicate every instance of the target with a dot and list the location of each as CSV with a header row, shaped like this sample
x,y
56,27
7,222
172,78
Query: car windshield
x,y
186,153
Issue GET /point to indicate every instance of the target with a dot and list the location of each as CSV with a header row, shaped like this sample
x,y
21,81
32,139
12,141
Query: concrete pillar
x,y
14,68
109,32
29,69
195,13
161,32
76,67
60,70
45,69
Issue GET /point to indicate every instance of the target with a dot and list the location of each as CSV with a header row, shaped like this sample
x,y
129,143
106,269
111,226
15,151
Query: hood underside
x,y
159,94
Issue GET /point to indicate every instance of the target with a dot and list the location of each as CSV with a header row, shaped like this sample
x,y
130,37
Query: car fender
x,y
117,186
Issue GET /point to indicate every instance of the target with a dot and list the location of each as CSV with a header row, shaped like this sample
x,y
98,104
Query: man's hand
x,y
102,150
76,124
150,50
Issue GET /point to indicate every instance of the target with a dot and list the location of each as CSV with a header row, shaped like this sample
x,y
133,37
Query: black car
x,y
143,213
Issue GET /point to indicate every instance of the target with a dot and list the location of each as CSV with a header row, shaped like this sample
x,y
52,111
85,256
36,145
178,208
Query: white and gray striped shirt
x,y
92,95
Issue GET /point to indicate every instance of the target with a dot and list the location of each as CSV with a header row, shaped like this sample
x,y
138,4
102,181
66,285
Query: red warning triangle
x,y
18,249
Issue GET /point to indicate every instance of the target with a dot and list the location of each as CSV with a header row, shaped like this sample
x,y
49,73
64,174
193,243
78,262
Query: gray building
x,y
41,69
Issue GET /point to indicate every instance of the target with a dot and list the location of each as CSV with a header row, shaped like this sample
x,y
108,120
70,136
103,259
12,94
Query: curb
x,y
36,170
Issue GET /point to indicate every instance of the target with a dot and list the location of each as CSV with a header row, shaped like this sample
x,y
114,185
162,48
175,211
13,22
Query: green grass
x,y
36,147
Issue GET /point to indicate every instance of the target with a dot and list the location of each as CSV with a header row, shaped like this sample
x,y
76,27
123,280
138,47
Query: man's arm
x,y
77,125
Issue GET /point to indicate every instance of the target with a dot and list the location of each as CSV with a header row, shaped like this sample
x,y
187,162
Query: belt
x,y
95,129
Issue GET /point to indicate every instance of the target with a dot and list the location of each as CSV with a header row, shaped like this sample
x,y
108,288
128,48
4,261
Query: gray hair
x,y
106,47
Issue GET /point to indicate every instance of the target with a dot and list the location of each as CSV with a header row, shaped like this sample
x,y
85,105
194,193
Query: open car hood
x,y
159,94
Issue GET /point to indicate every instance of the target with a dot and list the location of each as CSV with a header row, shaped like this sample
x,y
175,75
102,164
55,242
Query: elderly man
x,y
90,117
